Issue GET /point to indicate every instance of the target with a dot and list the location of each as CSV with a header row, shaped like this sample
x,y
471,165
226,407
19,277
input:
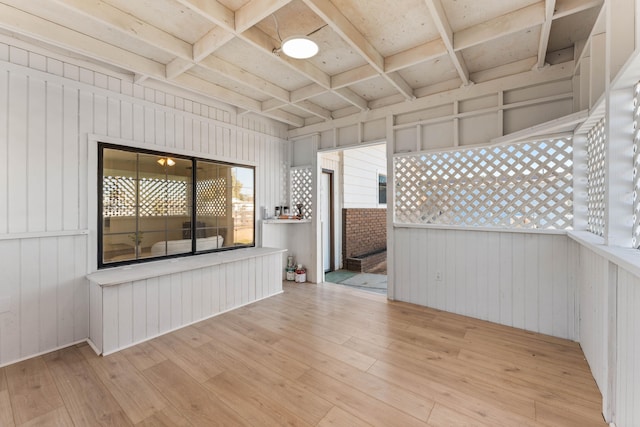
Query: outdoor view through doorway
x,y
353,210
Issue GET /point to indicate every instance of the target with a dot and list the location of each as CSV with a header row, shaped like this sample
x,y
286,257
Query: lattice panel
x,y
596,141
301,190
212,197
158,197
636,167
526,185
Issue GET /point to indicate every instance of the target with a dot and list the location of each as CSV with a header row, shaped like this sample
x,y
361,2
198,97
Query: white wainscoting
x,y
43,295
48,107
610,325
129,312
627,406
512,278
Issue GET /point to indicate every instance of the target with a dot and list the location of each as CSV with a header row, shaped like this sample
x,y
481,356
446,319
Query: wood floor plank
x,y
138,399
57,418
553,416
190,398
441,416
255,406
193,361
288,394
356,402
32,390
6,413
87,400
404,400
338,417
168,417
143,356
486,411
257,352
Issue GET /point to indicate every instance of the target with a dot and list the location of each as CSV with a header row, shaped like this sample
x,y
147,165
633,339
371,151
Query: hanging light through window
x,y
166,161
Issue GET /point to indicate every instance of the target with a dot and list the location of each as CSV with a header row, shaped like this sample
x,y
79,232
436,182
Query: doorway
x,y
326,219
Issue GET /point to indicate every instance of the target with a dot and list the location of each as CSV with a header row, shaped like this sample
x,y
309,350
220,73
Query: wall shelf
x,y
286,221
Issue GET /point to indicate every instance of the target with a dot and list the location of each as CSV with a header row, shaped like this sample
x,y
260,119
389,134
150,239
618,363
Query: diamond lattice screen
x,y
636,167
525,185
212,197
158,197
301,191
596,178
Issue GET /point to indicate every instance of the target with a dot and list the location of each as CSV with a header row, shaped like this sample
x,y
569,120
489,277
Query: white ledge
x,y
627,258
131,273
286,221
491,229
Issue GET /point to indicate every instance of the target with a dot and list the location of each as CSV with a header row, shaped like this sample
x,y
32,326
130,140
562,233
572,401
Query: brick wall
x,y
364,231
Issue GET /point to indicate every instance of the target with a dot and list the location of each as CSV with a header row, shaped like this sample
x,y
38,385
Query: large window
x,y
155,205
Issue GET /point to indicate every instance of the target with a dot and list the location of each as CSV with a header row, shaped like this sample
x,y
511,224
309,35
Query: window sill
x,y
131,273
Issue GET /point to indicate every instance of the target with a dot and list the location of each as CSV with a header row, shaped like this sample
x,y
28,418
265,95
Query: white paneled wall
x,y
592,273
43,295
128,313
48,107
627,407
610,330
516,279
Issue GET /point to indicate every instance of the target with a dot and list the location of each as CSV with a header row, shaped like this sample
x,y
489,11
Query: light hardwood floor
x,y
315,355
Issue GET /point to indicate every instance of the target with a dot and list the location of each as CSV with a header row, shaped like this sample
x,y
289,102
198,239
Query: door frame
x,y
332,258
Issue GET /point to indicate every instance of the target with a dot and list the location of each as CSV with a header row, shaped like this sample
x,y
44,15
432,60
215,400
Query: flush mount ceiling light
x,y
299,47
166,160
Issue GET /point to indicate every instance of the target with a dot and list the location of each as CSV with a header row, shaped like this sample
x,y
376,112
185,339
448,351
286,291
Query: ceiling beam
x,y
570,7
415,55
115,19
53,34
545,31
255,11
500,26
213,11
349,33
446,33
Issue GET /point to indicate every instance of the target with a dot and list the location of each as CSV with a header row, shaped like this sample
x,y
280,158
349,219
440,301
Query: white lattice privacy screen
x,y
158,197
301,190
596,178
525,185
636,167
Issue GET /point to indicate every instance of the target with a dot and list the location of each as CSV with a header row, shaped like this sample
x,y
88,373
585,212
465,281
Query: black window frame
x,y
193,214
382,189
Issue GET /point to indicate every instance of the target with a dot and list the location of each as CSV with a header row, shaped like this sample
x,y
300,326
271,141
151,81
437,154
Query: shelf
x,y
286,221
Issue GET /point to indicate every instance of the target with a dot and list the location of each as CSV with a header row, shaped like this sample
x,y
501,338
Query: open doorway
x,y
354,235
327,220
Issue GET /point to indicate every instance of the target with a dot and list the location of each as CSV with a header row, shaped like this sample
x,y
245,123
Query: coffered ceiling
x,y
373,53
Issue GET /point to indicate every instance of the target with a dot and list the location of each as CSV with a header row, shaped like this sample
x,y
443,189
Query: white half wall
x,y
515,279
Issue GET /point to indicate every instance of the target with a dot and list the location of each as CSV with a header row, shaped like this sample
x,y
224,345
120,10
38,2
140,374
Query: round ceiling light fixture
x,y
299,47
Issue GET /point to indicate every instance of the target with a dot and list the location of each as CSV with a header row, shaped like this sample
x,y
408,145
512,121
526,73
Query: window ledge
x,y
130,273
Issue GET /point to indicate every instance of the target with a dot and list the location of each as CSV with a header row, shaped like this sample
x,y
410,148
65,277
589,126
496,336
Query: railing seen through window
x,y
156,205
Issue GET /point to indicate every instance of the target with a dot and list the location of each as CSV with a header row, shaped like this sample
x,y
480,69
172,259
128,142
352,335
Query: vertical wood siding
x,y
627,408
136,311
47,109
515,279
